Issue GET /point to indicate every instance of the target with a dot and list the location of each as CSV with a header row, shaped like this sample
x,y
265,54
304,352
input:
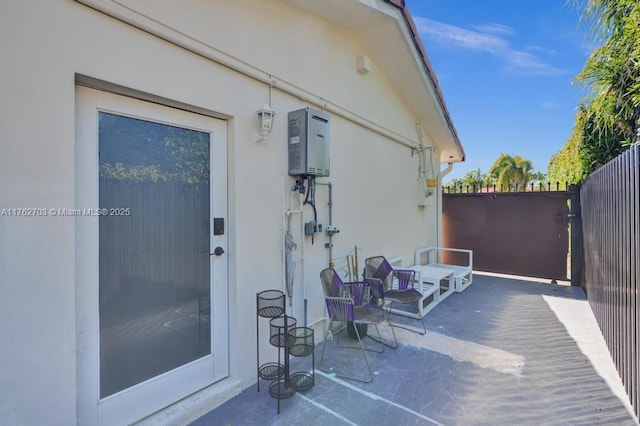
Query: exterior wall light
x,y
265,121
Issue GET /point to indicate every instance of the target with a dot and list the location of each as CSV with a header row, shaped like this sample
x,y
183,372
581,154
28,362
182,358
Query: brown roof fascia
x,y
400,4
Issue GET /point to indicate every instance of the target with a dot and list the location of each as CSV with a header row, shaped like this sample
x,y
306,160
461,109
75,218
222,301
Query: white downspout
x,y
442,174
446,171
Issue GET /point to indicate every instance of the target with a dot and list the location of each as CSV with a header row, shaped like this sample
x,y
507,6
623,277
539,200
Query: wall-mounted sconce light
x,y
265,121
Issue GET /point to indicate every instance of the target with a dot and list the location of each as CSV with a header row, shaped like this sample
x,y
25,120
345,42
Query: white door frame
x,y
147,397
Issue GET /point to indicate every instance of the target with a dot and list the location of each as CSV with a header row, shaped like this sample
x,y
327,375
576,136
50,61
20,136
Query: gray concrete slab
x,y
505,351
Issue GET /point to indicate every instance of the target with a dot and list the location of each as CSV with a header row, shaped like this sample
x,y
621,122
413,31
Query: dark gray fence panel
x,y
520,233
611,232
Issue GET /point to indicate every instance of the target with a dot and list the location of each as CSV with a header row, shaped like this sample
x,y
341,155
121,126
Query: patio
x,y
507,350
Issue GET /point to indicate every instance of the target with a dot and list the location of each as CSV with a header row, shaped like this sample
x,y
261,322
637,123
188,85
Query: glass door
x,y
161,290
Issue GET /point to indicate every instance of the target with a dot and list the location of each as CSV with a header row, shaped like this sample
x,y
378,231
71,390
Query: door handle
x,y
218,251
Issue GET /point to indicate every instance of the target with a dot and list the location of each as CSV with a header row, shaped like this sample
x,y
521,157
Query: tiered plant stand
x,y
283,334
269,304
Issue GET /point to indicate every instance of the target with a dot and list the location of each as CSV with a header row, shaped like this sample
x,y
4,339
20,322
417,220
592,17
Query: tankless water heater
x,y
308,142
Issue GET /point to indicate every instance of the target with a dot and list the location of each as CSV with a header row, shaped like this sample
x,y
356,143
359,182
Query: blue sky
x,y
506,69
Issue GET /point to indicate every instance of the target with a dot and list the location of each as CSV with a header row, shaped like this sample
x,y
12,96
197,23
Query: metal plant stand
x,y
283,334
269,304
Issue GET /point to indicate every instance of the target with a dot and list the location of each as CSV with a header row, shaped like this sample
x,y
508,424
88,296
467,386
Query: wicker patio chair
x,y
392,286
348,303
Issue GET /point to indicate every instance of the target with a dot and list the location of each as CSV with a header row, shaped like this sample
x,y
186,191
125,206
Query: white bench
x,y
432,256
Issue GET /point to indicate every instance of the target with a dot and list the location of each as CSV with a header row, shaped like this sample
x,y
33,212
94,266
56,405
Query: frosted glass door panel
x,y
154,245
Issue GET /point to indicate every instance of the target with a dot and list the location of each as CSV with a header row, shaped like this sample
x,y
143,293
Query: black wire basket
x,y
301,341
270,303
279,329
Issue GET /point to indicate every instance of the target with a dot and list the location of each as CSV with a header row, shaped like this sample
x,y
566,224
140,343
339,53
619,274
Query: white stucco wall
x,y
46,44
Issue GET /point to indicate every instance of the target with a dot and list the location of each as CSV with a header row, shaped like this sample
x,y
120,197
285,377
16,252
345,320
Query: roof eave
x,y
417,42
389,32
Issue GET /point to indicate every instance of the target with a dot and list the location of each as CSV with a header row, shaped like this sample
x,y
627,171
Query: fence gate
x,y
519,233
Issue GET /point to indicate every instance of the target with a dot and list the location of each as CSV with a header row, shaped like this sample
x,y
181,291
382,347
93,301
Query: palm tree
x,y
612,71
470,182
508,171
538,177
473,180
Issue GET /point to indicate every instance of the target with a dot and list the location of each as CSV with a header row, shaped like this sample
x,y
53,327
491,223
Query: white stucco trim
x,y
127,15
106,86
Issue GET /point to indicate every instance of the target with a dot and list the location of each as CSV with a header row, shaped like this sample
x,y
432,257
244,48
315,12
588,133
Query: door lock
x,y
218,251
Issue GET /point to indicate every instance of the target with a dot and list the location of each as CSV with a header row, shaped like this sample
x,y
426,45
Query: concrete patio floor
x,y
506,351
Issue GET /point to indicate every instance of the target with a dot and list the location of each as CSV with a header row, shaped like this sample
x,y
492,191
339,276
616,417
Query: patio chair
x,y
348,303
392,285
